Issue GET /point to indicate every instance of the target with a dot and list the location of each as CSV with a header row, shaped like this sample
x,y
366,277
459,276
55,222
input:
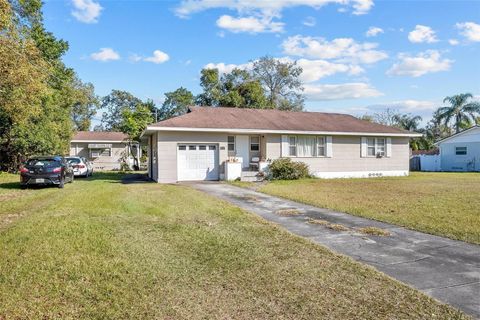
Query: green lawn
x,y
100,249
445,204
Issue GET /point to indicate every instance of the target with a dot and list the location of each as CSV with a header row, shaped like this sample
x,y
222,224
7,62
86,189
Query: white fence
x,y
429,162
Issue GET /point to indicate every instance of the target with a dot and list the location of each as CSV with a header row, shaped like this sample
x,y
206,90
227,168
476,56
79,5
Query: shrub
x,y
286,169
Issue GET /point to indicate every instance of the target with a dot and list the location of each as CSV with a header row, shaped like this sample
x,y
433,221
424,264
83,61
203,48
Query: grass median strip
x,y
103,249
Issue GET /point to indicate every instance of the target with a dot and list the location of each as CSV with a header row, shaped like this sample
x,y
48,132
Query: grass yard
x,y
100,249
445,204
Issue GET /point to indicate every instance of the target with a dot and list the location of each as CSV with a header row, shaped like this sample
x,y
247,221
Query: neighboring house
x,y
105,149
200,144
461,151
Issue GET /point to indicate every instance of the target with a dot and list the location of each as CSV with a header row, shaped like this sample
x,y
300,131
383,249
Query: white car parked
x,y
81,166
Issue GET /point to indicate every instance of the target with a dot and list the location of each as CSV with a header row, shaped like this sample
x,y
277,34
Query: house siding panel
x,y
167,151
347,156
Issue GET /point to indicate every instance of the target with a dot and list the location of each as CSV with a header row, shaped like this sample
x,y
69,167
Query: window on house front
x,y
202,148
376,147
254,143
321,151
307,146
231,143
292,147
460,151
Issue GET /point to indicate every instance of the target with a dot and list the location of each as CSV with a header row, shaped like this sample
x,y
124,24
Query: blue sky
x,y
358,56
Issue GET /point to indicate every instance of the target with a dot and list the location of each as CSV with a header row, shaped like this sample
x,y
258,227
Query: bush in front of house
x,y
286,169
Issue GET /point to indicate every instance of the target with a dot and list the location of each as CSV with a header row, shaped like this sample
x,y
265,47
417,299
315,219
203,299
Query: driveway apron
x,y
445,269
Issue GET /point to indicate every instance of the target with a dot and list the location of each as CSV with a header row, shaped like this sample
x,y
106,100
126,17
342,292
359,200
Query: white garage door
x,y
197,162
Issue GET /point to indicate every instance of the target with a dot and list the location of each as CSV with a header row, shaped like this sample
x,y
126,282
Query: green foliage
x,y
281,81
176,103
115,104
462,111
133,122
270,84
286,169
39,96
210,83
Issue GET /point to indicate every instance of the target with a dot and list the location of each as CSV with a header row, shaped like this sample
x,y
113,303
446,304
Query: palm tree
x,y
407,122
461,111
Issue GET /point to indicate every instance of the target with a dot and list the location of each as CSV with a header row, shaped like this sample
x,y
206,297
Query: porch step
x,y
251,176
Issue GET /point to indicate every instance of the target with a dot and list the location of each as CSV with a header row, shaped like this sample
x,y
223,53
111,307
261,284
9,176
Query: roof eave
x,y
150,130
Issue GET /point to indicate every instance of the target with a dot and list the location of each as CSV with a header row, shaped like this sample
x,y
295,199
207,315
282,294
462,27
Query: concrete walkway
x,y
445,269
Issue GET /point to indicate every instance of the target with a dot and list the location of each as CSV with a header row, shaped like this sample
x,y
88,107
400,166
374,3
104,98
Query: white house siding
x,y
80,149
346,160
167,151
452,162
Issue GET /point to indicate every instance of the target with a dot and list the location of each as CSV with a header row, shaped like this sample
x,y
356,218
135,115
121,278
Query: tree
x,y
176,103
38,92
132,123
407,122
85,105
281,82
210,83
115,104
239,89
462,111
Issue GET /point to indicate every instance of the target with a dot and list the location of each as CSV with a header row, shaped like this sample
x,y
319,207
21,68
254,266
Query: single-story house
x,y
201,144
104,149
461,151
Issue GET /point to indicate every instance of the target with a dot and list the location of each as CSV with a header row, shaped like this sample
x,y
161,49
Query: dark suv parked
x,y
46,170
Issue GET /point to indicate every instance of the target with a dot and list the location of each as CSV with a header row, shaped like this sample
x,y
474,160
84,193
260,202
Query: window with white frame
x,y
255,143
292,146
321,147
307,146
376,147
231,143
460,151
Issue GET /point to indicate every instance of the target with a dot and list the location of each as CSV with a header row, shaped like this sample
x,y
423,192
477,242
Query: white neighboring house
x,y
206,142
104,149
461,151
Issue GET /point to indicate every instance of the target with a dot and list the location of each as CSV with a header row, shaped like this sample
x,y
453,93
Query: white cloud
x,y
453,42
373,31
425,62
86,11
355,90
255,16
470,30
158,57
413,105
249,24
342,49
362,6
227,68
309,22
269,8
422,34
105,54
134,57
314,70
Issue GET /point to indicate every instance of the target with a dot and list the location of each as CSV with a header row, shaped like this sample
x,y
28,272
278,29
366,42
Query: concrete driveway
x,y
445,269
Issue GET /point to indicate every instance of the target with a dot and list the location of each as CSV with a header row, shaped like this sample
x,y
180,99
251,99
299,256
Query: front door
x,y
243,149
